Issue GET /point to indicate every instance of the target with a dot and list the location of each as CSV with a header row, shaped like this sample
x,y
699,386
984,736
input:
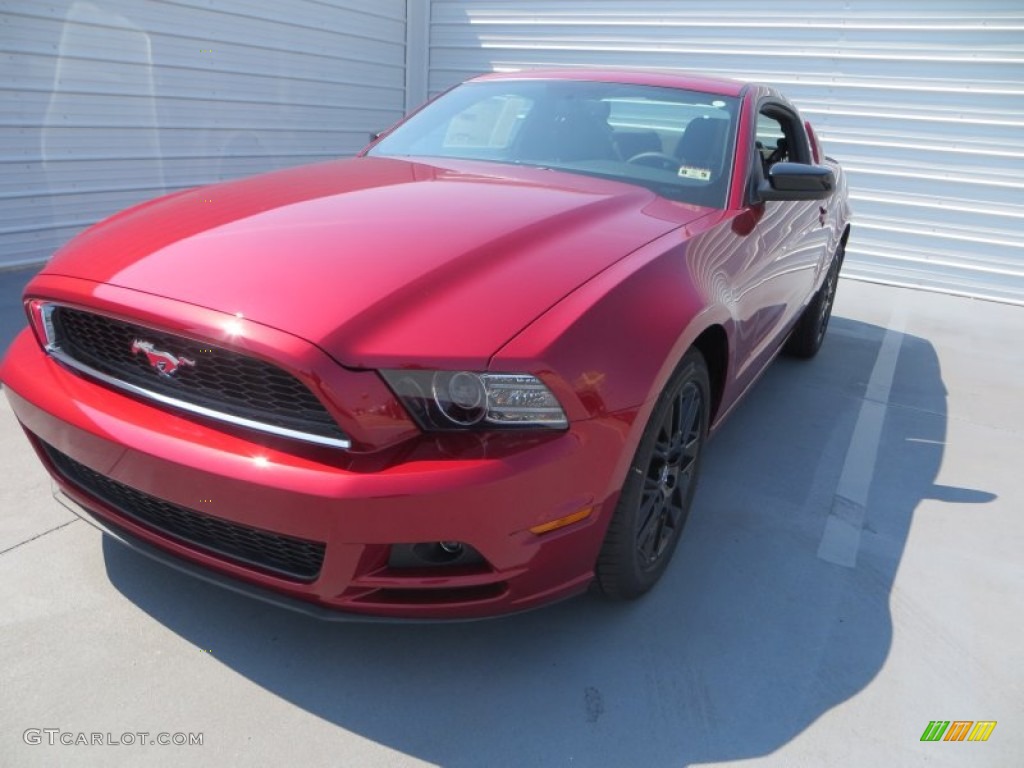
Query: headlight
x,y
447,400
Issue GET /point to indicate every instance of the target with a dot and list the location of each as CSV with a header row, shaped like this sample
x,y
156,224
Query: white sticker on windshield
x,y
692,172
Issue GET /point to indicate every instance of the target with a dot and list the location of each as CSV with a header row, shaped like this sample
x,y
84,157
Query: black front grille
x,y
220,379
286,556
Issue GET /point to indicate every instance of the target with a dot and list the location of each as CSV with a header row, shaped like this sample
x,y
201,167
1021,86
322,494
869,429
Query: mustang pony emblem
x,y
165,363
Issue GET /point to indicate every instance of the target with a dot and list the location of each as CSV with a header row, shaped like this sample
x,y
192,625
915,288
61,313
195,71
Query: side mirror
x,y
797,181
374,135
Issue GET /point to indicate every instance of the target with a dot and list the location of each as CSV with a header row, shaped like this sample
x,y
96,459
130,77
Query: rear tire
x,y
656,497
809,332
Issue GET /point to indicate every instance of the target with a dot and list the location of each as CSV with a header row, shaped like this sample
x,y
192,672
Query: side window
x,y
771,140
780,137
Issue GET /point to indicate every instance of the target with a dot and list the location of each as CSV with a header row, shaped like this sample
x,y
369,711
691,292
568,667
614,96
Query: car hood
x,y
379,261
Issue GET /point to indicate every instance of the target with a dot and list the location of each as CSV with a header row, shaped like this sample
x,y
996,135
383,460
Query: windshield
x,y
677,143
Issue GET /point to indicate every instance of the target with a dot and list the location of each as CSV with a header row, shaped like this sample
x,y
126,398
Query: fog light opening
x,y
446,553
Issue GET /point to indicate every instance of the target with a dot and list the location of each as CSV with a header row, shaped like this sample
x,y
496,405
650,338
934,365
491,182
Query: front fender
x,y
608,349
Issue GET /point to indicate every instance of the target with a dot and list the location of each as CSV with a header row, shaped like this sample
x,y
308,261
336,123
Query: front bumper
x,y
484,492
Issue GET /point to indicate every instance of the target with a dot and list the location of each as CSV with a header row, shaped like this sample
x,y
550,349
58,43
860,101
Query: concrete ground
x,y
852,571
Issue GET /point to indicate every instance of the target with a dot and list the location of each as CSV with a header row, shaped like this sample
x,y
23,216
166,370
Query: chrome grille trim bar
x,y
55,351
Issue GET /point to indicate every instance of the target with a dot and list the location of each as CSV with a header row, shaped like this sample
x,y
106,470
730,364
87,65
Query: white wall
x,y
922,101
109,102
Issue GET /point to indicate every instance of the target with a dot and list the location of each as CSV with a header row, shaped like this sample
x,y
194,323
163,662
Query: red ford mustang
x,y
468,372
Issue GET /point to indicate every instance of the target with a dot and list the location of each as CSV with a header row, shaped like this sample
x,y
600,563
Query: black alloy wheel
x,y
656,497
828,298
809,332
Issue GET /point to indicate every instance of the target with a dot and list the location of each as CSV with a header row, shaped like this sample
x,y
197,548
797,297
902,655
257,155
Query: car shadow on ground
x,y
747,641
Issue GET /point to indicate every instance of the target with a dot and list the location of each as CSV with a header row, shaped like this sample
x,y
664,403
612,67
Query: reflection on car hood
x,y
378,260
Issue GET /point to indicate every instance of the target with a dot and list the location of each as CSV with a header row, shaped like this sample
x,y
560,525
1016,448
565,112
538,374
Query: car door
x,y
783,247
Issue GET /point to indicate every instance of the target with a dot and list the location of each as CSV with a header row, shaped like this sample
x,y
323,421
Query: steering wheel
x,y
656,160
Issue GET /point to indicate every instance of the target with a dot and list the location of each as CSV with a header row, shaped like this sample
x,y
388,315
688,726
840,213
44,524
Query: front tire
x,y
655,501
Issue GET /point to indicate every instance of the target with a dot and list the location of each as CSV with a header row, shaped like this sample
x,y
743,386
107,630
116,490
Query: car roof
x,y
667,79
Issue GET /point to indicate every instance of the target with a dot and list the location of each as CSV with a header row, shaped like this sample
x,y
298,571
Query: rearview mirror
x,y
797,181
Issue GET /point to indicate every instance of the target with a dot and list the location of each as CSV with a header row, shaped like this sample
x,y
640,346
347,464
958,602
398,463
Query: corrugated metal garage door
x,y
104,104
922,101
